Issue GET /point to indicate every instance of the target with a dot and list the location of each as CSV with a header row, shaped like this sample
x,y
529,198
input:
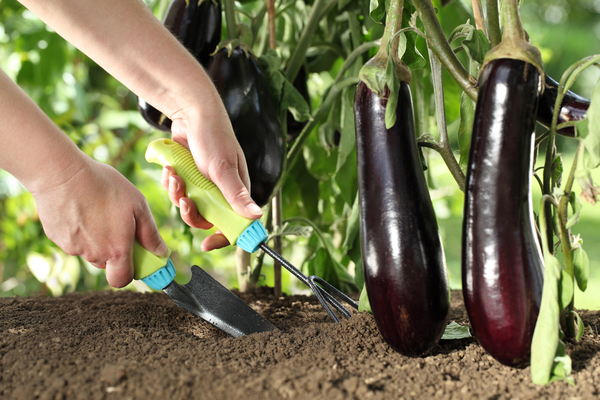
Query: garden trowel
x,y
250,235
202,296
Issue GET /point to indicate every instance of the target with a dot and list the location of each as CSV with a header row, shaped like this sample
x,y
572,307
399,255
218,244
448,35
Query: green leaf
x,y
363,301
592,138
557,171
566,289
293,101
393,82
576,207
580,326
377,10
589,191
347,130
465,129
545,339
455,331
412,57
561,367
581,268
476,45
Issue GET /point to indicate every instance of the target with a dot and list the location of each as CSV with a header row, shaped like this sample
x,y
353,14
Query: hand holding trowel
x,y
203,296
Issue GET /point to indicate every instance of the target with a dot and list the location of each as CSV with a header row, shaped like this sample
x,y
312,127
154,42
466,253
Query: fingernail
x,y
173,184
183,207
252,208
162,250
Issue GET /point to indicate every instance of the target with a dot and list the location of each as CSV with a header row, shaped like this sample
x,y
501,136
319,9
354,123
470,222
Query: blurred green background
x,y
101,116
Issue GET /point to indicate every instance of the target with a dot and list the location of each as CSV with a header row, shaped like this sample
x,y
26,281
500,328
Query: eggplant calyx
x,y
374,73
232,44
515,42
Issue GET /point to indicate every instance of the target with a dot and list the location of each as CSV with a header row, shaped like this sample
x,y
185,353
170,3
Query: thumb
x,y
147,233
236,194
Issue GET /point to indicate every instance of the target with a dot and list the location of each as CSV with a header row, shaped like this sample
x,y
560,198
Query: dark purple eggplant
x,y
197,25
246,94
502,267
403,257
574,107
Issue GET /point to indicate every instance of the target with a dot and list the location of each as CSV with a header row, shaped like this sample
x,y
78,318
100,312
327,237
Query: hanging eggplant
x,y
246,94
197,25
573,108
403,257
502,264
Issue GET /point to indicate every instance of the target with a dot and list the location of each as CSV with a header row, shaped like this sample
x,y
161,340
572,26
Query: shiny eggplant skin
x,y
247,97
574,107
197,25
502,267
403,258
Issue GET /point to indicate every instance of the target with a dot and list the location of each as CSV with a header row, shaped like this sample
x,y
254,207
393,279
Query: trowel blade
x,y
206,298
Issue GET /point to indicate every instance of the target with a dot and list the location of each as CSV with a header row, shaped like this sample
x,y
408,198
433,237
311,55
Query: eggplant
x,y
246,94
197,25
502,267
574,107
403,258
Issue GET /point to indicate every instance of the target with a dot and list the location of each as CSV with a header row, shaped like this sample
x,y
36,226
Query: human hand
x,y
219,157
97,214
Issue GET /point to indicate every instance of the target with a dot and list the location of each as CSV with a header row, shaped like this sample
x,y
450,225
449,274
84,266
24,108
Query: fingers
x,y
189,214
227,178
146,232
214,241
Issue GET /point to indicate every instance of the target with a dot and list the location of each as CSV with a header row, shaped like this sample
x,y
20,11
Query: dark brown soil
x,y
125,345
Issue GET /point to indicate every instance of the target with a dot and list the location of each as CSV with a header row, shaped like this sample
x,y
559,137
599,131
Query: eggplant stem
x,y
493,22
230,19
437,41
445,149
478,14
565,233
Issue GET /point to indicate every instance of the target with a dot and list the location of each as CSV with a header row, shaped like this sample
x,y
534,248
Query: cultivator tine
x,y
323,295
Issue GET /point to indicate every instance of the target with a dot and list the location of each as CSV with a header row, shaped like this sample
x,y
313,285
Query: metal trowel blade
x,y
206,298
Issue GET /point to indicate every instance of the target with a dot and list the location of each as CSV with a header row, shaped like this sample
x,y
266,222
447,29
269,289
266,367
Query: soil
x,y
126,345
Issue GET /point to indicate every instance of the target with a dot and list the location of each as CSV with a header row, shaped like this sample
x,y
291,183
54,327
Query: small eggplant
x,y
197,25
574,107
246,94
502,267
403,258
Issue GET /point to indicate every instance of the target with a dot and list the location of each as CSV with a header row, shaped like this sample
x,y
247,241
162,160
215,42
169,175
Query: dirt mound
x,y
126,345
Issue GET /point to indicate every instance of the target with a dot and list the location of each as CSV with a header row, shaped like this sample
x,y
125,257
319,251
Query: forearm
x,y
33,148
127,40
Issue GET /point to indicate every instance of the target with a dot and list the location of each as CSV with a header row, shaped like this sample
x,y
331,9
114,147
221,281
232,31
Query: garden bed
x,y
126,345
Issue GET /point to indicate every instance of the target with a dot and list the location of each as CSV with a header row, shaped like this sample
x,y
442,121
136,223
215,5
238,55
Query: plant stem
x,y
436,40
565,234
440,112
478,14
230,19
512,21
318,11
493,22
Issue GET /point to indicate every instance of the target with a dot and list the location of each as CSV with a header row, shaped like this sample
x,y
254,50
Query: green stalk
x,y
444,149
565,234
437,42
493,21
230,19
318,11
